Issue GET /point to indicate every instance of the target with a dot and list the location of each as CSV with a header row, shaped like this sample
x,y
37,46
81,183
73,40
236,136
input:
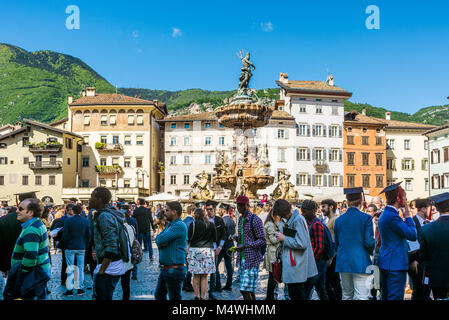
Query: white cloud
x,y
135,34
266,26
176,32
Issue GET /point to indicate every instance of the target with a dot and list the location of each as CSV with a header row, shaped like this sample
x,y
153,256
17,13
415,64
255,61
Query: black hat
x,y
26,195
309,205
200,204
353,194
440,197
224,206
211,203
391,188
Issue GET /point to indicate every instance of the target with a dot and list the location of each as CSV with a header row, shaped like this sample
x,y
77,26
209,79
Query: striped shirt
x,y
31,247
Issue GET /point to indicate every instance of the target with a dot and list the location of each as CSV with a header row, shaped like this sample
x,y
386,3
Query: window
x,y
319,109
130,119
436,182
186,159
127,183
187,125
173,160
281,133
207,141
52,180
207,159
68,143
333,131
221,140
302,108
104,139
301,154
281,154
173,125
391,164
408,184
52,159
390,144
113,183
68,161
25,141
172,179
102,161
115,161
334,109
407,145
2,180
335,180
318,131
25,180
127,162
426,144
424,164
139,140
221,126
318,180
187,141
85,139
408,164
104,120
139,119
186,179
365,140
350,157
349,139
319,154
86,120
365,158
435,156
365,180
446,154
38,180
379,180
112,119
3,145
127,140
379,159
350,179
25,160
301,179
115,139
3,160
207,125
378,141
302,130
139,162
102,182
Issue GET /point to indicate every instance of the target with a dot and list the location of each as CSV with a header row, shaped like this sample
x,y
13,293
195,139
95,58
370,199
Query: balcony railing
x,y
105,170
45,165
109,147
320,165
47,148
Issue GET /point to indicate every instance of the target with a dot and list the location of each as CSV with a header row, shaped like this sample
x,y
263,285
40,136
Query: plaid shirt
x,y
253,256
317,237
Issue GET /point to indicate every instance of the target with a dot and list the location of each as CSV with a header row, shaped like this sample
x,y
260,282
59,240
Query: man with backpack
x,y
251,245
354,240
322,247
110,242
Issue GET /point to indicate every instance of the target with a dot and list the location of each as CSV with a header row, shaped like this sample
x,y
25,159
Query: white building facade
x,y
438,154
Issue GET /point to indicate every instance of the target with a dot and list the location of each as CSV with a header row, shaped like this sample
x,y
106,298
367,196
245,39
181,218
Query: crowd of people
x,y
342,251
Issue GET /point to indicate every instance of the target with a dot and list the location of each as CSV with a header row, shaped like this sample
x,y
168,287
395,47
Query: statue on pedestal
x,y
201,188
285,189
246,73
263,166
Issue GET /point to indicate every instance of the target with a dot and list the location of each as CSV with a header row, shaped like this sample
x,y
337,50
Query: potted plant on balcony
x,y
100,145
160,166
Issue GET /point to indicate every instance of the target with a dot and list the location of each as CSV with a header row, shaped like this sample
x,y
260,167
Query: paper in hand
x,y
54,232
413,245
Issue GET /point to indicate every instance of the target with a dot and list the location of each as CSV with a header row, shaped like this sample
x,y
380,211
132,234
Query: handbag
x,y
276,266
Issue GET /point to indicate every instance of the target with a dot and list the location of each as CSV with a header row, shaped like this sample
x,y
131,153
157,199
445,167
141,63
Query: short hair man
x,y
172,245
31,249
229,243
394,232
187,285
145,223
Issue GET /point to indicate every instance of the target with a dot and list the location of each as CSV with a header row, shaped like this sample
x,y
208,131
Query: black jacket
x,y
203,237
10,229
415,255
434,250
144,219
221,229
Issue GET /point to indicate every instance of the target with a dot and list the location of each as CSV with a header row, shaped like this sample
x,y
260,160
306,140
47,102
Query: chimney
x,y
364,111
70,99
283,77
90,91
155,102
387,115
83,93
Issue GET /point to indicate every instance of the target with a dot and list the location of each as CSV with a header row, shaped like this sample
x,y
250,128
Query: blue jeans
x,y
134,271
146,239
75,281
392,284
104,286
170,281
319,282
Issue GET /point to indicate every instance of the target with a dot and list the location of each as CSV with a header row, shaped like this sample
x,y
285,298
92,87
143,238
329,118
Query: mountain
x,y
35,85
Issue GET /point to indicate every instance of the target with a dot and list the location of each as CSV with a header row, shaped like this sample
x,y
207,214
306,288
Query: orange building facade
x,y
364,148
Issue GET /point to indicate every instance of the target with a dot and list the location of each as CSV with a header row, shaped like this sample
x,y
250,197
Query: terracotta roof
x,y
46,126
435,129
211,117
312,86
362,119
13,133
6,126
58,122
395,124
282,115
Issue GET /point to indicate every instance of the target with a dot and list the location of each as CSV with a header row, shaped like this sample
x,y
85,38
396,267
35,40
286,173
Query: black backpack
x,y
329,244
123,239
263,248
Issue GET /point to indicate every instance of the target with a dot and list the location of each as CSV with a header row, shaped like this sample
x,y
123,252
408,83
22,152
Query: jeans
x,y
170,282
2,285
228,264
355,286
146,239
75,280
333,285
125,280
104,286
319,282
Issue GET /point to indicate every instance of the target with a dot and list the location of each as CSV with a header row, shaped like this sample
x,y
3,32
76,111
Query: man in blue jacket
x,y
393,253
354,241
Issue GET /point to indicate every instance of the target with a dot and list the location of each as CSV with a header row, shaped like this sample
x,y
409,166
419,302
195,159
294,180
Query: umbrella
x,y
162,197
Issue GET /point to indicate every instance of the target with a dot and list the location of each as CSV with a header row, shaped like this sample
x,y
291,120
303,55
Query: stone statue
x,y
201,188
263,166
222,167
241,186
246,74
285,189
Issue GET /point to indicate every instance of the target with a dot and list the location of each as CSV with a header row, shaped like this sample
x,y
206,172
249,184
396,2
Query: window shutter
x,y
341,181
313,154
313,131
308,154
308,180
340,155
431,160
413,164
423,165
331,181
286,133
330,155
324,130
403,164
313,180
340,131
324,154
442,182
276,134
439,159
433,182
324,180
308,130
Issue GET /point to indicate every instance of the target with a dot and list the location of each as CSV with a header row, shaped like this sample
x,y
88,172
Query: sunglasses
x,y
20,209
209,209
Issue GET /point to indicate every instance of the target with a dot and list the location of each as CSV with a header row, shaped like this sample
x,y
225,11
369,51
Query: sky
x,y
176,45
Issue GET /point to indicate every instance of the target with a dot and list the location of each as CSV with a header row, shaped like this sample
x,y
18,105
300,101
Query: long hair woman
x,y
201,239
270,227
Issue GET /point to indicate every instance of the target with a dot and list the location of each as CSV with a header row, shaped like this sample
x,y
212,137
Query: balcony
x,y
109,170
45,147
45,165
109,147
320,166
